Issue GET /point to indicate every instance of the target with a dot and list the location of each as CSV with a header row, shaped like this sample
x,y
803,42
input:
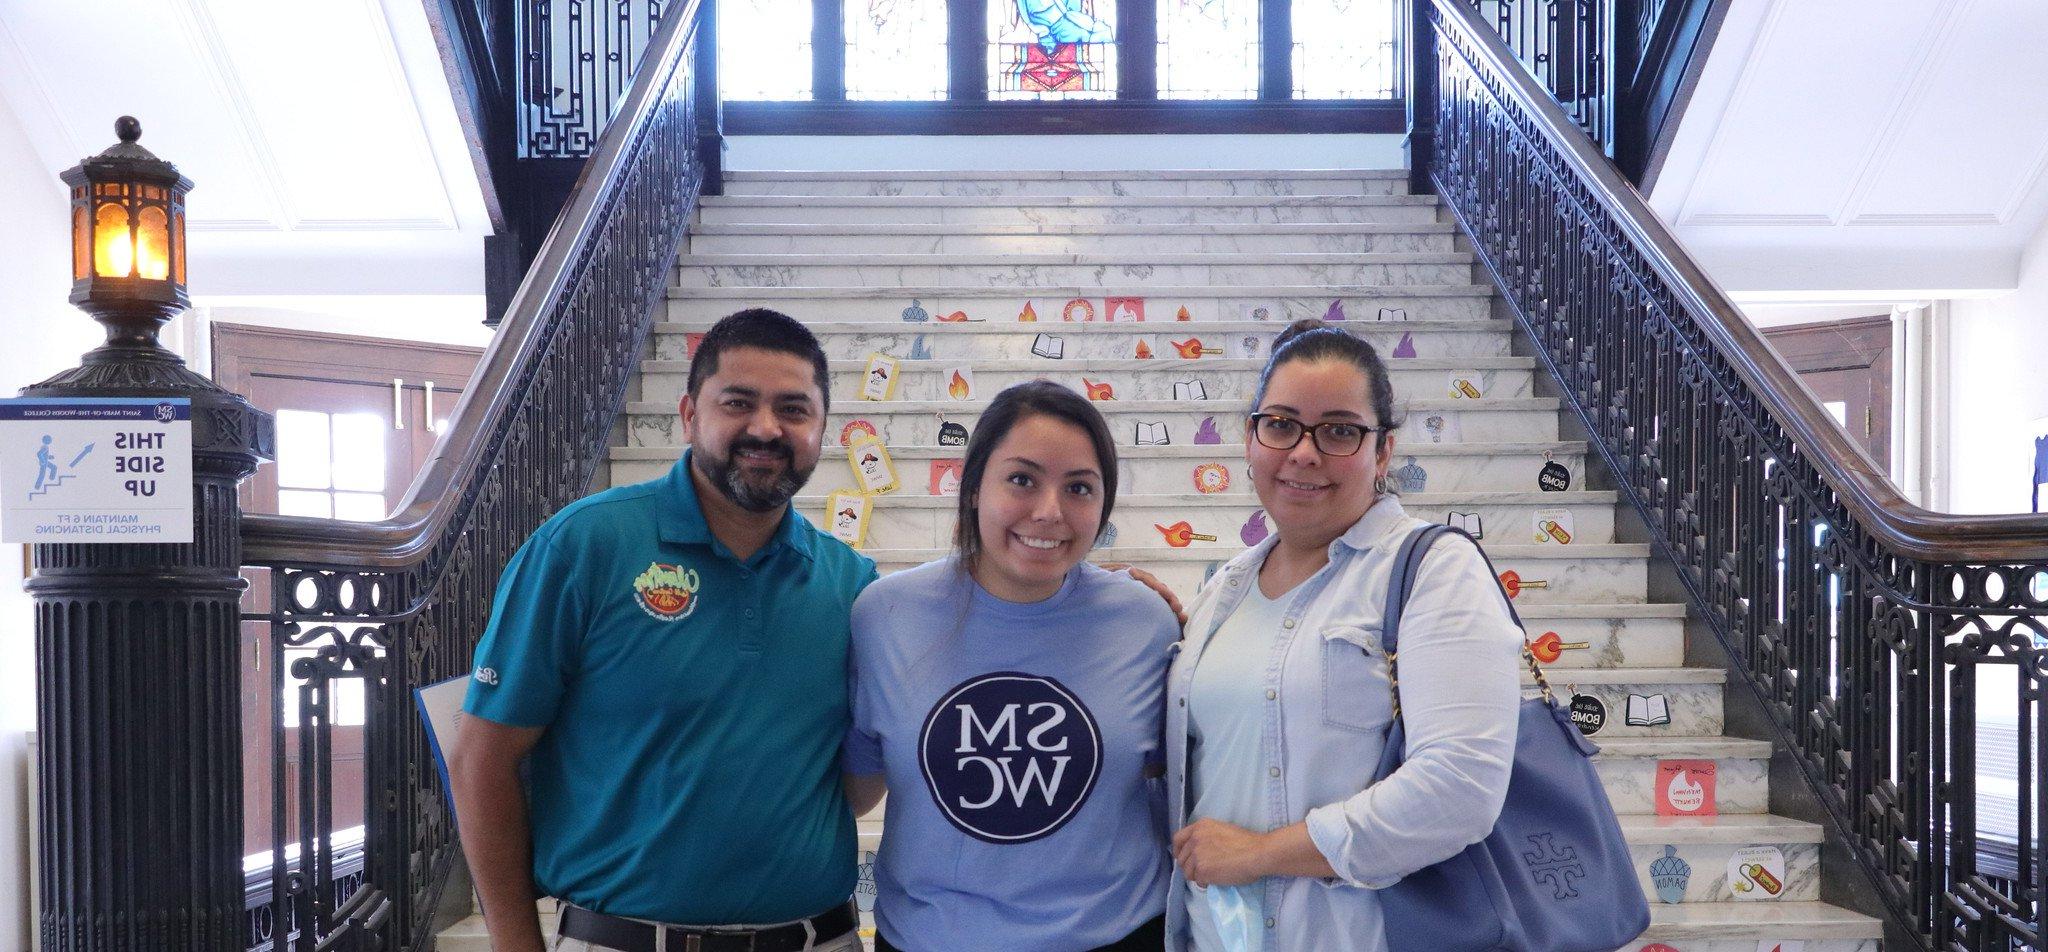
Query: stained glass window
x,y
1208,49
895,49
1344,49
1052,49
764,49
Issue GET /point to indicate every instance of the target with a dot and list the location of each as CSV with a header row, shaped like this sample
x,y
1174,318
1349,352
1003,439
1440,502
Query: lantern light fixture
x,y
128,229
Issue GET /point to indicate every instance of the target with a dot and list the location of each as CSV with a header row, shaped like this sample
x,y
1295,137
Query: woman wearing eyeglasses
x,y
1279,701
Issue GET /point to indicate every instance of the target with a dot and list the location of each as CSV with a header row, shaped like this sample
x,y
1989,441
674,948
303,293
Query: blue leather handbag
x,y
1555,874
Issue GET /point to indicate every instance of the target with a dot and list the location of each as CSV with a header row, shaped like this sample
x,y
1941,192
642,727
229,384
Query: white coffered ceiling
x,y
1838,148
321,135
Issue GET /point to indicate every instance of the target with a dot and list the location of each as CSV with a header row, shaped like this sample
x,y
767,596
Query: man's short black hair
x,y
767,330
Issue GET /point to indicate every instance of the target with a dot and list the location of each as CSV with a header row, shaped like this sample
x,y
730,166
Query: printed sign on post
x,y
96,469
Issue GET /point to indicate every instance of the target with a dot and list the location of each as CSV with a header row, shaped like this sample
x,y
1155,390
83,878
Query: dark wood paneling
x,y
1033,118
1657,81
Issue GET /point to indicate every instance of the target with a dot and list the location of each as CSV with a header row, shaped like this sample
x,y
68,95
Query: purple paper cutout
x,y
1336,311
1206,435
1406,348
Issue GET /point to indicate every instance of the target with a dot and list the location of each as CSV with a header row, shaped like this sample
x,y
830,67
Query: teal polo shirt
x,y
693,704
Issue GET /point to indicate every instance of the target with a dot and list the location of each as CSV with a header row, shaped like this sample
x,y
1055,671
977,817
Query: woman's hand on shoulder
x,y
1152,582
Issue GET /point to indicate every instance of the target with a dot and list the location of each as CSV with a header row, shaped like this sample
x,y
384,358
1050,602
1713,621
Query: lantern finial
x,y
127,129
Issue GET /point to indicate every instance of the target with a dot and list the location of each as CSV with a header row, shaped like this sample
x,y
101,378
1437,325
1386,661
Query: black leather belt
x,y
630,935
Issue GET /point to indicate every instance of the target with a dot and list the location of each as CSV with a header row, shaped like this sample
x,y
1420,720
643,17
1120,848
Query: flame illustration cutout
x,y
1098,391
957,317
1550,646
1684,793
1182,314
1027,316
1143,351
1512,581
1193,348
1180,534
958,389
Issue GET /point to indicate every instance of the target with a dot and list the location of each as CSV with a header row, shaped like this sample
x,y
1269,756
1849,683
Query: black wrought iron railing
x,y
1900,652
399,604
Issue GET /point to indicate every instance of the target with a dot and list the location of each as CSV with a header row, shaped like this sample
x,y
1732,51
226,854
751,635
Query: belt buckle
x,y
693,941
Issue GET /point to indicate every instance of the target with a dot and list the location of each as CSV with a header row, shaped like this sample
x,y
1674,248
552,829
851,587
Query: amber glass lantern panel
x,y
81,242
152,244
113,254
178,245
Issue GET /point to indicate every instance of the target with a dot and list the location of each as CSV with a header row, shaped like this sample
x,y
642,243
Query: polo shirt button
x,y
750,613
1271,694
1274,771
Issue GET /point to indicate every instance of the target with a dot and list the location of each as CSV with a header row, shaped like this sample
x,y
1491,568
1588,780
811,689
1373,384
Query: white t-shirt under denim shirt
x,y
1021,742
1327,716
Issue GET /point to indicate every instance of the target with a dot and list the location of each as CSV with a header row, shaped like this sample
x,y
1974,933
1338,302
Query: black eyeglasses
x,y
1331,439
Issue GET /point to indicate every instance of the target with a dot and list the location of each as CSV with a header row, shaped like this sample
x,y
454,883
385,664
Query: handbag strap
x,y
1407,564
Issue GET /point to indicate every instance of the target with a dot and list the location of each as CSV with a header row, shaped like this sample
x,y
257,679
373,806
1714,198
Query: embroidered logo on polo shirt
x,y
667,592
1010,757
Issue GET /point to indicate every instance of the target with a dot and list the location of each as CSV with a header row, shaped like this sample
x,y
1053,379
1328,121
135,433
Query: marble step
x,y
857,340
1200,182
1628,768
1221,378
1083,270
1578,573
916,422
1759,927
1710,846
1616,636
1280,303
914,519
1072,239
1065,210
1444,468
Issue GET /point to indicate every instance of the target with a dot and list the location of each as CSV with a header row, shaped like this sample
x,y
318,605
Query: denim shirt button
x,y
1289,623
1273,771
1269,922
1271,694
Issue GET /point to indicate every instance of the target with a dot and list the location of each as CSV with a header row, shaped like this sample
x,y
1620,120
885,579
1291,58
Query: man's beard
x,y
733,484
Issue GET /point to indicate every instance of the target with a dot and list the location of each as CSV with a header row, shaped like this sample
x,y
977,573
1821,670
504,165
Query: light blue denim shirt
x,y
1328,704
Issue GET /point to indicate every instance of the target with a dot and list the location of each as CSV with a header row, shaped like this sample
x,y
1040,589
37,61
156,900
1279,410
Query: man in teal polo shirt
x,y
669,660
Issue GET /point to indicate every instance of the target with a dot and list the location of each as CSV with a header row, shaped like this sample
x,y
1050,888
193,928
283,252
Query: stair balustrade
x,y
397,604
1899,652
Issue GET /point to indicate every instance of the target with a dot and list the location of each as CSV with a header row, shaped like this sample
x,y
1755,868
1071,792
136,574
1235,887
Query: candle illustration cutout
x,y
1514,583
1549,646
1180,534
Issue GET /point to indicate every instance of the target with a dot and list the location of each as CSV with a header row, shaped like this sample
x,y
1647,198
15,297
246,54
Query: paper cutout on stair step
x,y
848,514
1206,435
959,383
1468,521
1098,391
1588,714
1467,386
1656,947
690,343
1391,314
1757,872
1550,646
1443,428
1144,346
957,317
854,430
1406,346
1046,345
1212,478
1124,310
1554,477
952,434
873,472
1669,876
1648,710
1182,314
1078,309
1106,539
1554,526
1410,478
1180,535
1783,945
1246,346
1336,311
879,380
919,349
945,476
1254,530
1261,311
916,314
1685,788
1190,390
1195,347
1027,315
1514,583
1152,434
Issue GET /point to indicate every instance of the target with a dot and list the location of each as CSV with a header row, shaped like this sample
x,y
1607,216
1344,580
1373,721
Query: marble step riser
x,y
1741,786
1069,244
1175,474
936,344
1064,275
1710,881
1105,188
1005,306
894,527
1790,935
921,428
1192,214
1156,380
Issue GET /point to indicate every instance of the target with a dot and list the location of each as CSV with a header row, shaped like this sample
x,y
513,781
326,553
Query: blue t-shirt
x,y
694,706
1022,748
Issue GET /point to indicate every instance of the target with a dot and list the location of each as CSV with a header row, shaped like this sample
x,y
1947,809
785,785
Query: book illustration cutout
x,y
1406,346
1260,311
1046,345
916,314
1757,872
873,471
1124,310
1648,710
1180,535
1212,478
960,383
1554,526
1411,478
945,476
1336,311
879,382
1205,433
1588,714
1190,390
848,513
1153,434
1550,646
1254,530
1514,583
1553,478
1078,310
1027,315
1467,386
1098,391
951,434
1669,876
1391,314
1470,522
854,430
1686,788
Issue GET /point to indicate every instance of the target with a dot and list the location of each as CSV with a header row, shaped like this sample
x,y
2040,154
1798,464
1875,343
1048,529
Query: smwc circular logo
x,y
1010,757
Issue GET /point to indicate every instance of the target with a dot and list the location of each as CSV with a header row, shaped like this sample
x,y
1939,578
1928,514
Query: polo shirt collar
x,y
682,518
1385,516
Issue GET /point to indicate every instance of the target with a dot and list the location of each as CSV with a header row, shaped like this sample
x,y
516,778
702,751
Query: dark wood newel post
x,y
710,105
1422,95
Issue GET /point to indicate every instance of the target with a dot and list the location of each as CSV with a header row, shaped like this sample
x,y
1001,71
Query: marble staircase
x,y
963,277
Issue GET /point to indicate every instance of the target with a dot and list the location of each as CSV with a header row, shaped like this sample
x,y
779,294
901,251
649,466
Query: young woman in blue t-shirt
x,y
1011,696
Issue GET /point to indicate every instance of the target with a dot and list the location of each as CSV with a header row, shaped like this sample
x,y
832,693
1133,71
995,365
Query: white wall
x,y
1067,152
1999,390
